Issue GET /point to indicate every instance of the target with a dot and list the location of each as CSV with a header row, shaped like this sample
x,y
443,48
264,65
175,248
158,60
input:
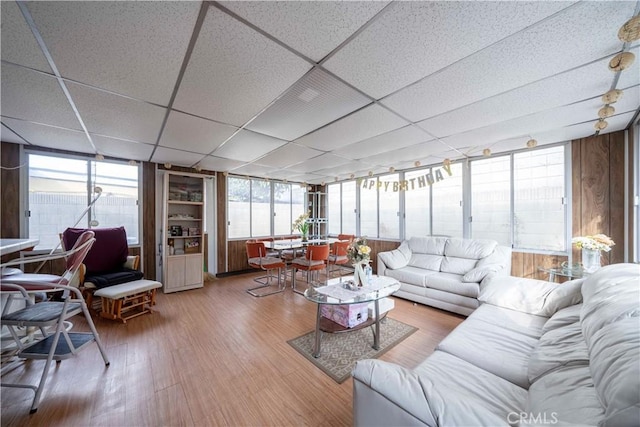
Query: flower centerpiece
x,y
591,247
359,253
302,226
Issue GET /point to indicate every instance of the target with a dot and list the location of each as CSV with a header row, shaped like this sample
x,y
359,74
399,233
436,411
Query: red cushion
x,y
108,253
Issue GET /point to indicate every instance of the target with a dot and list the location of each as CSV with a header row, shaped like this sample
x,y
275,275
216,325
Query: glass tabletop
x,y
335,291
570,272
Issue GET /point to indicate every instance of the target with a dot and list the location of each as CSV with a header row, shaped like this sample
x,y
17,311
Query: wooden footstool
x,y
128,300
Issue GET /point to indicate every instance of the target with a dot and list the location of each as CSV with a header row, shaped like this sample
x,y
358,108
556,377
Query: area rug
x,y
340,352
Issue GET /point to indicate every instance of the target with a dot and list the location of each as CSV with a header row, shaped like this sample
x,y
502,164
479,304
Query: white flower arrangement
x,y
598,242
358,251
301,224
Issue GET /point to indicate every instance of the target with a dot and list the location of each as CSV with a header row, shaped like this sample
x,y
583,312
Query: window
x,y
417,206
341,208
369,210
446,209
491,199
61,188
253,203
539,191
379,206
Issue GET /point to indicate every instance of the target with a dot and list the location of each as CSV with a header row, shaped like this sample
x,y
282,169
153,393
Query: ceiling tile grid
x,y
7,135
363,124
572,38
248,146
195,134
123,149
414,39
315,100
18,45
29,95
164,155
288,155
51,137
235,72
132,48
318,163
214,163
390,141
312,28
117,116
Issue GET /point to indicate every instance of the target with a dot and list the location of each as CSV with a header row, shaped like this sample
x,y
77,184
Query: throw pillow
x,y
477,274
531,295
394,259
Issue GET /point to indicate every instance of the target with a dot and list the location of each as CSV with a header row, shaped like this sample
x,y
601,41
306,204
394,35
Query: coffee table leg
x,y
376,338
316,347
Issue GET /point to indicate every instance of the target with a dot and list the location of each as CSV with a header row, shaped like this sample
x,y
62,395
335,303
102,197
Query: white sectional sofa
x,y
444,272
534,353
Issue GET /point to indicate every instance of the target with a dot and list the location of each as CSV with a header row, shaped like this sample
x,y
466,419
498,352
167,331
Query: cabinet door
x,y
193,269
175,273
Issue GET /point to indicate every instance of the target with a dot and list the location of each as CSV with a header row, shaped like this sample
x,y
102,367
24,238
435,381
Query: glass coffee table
x,y
566,272
334,292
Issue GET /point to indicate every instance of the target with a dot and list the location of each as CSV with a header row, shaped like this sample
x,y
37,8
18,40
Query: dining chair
x,y
258,259
315,260
49,316
348,237
337,256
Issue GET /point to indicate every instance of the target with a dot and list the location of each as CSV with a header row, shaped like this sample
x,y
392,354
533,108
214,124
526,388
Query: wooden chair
x,y
348,237
315,260
258,259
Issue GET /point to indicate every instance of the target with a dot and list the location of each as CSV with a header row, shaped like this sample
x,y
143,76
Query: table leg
x,y
376,338
316,347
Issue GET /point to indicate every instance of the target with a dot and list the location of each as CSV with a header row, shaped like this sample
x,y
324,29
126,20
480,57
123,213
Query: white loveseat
x,y
535,353
443,272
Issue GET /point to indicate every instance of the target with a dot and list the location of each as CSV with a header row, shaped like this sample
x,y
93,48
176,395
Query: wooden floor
x,y
211,356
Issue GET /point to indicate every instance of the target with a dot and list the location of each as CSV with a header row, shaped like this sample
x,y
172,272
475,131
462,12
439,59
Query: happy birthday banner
x,y
406,184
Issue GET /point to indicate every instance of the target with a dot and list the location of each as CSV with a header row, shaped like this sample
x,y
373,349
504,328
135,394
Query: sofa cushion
x,y
478,273
530,295
109,251
427,245
493,348
452,283
469,248
475,397
457,265
396,258
410,275
560,347
517,321
566,394
563,317
426,261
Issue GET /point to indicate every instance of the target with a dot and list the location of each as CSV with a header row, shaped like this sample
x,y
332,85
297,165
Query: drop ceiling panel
x,y
213,163
541,122
190,133
407,154
390,141
313,28
51,137
175,157
287,155
18,45
247,146
308,178
7,135
366,123
132,48
118,148
318,163
252,169
411,40
572,38
235,72
346,169
315,100
29,95
562,89
117,116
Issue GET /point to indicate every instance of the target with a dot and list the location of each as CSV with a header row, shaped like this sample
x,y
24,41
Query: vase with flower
x,y
592,246
302,225
359,254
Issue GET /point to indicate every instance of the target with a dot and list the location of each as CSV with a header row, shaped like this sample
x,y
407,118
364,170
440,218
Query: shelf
x,y
183,237
184,202
184,219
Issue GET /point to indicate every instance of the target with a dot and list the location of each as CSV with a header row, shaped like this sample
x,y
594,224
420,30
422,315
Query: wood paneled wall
x,y
221,206
148,261
598,191
10,183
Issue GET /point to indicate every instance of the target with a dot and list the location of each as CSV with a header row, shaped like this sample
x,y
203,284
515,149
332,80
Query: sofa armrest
x,y
532,296
133,262
381,267
388,394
